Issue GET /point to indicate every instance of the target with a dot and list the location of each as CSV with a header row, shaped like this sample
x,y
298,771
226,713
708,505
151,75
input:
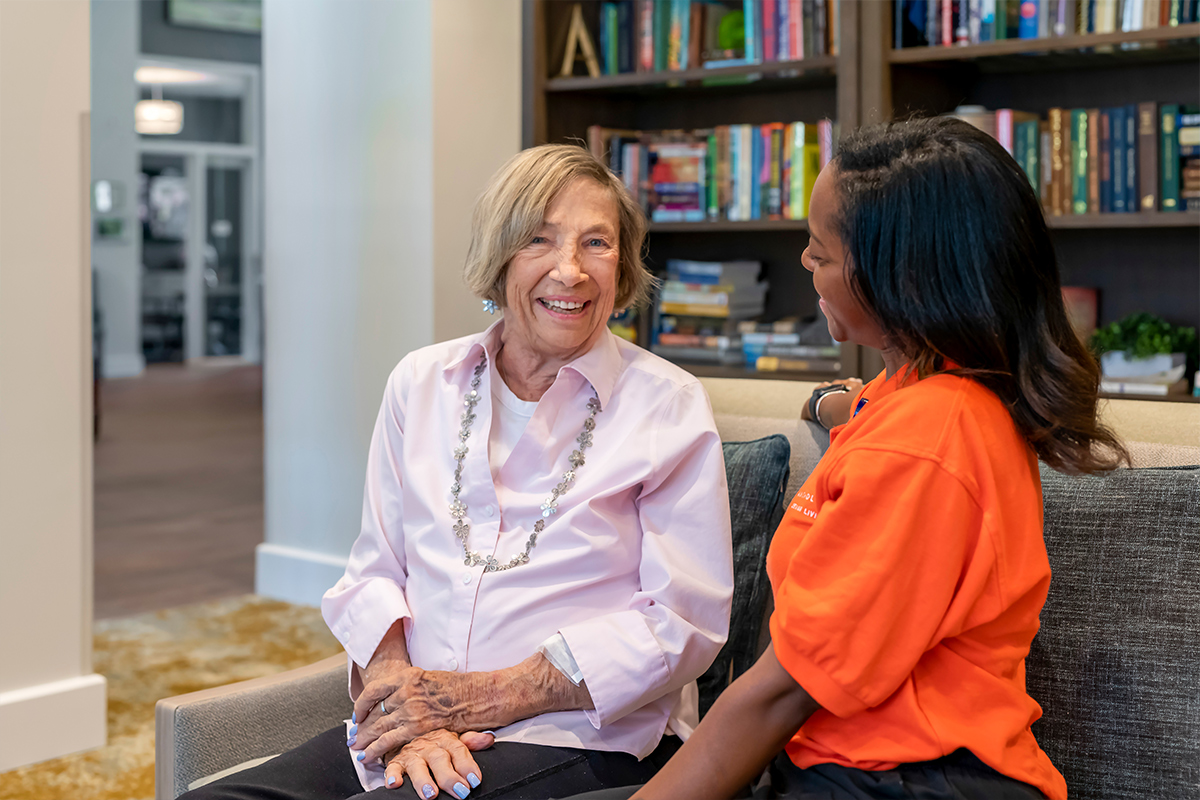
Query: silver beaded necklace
x,y
458,509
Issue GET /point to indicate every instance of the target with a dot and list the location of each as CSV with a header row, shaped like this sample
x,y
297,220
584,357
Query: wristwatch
x,y
814,402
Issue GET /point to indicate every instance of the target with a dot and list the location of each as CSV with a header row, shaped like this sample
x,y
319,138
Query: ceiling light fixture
x,y
158,117
161,75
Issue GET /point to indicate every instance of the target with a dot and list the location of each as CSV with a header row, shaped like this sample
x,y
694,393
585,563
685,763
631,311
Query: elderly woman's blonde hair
x,y
513,206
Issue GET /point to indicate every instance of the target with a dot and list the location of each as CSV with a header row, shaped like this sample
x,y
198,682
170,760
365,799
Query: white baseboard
x,y
122,365
294,575
26,734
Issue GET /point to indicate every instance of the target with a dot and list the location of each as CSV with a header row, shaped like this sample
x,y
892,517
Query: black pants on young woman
x,y
320,769
958,776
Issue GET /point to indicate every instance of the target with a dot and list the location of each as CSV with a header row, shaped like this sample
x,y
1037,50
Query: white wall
x,y
383,121
45,387
114,158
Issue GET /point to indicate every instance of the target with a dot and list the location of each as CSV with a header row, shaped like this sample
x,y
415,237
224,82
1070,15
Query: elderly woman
x,y
545,547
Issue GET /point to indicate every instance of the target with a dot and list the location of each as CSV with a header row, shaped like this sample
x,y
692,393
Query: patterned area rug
x,y
162,654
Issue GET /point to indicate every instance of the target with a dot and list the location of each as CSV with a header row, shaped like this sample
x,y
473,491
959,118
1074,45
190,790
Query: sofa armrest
x,y
204,732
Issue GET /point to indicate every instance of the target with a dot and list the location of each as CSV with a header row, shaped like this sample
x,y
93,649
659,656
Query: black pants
x,y
320,769
958,776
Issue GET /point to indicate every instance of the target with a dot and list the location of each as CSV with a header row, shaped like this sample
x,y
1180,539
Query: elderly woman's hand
x,y
405,702
439,758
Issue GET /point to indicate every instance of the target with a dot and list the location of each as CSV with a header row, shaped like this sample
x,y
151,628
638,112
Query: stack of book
x,y
1125,159
790,346
731,172
697,305
925,23
671,35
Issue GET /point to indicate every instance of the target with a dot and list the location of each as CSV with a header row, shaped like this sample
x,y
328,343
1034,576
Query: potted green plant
x,y
1145,350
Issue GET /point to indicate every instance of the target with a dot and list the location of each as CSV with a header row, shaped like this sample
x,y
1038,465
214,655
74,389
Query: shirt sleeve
x,y
369,597
889,566
676,624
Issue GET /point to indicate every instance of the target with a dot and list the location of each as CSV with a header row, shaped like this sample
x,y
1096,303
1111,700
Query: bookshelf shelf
x,y
717,371
1184,37
821,69
1157,219
730,226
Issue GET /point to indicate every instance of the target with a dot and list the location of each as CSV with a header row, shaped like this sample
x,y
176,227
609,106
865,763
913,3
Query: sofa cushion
x,y
808,442
757,472
1116,665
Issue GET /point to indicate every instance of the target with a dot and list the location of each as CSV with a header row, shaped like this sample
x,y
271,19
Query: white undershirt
x,y
510,416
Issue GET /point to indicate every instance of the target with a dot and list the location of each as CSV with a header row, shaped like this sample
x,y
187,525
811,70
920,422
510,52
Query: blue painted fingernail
x,y
354,717
391,779
361,755
353,729
461,790
427,791
350,742
473,779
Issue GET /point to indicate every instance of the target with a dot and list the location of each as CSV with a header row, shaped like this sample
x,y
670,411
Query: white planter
x,y
1114,364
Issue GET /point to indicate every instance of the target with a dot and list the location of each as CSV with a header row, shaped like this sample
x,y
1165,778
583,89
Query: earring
x,y
490,306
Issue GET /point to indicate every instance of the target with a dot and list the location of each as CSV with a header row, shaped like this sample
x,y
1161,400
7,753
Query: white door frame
x,y
197,157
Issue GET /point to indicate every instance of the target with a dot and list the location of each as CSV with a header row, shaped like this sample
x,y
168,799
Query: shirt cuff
x,y
622,663
558,653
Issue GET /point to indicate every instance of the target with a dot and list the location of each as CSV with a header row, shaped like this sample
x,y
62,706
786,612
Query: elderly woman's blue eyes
x,y
597,242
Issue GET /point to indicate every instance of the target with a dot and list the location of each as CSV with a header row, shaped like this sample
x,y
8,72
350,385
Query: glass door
x,y
224,258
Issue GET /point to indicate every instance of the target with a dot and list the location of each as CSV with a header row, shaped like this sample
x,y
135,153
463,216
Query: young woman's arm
x,y
748,725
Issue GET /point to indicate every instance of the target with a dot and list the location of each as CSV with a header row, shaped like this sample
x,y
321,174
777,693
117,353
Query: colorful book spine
x,y
1079,159
796,28
770,28
712,189
1169,157
1131,160
775,191
1093,160
645,11
749,11
1117,129
1032,159
1060,137
1147,156
1027,28
756,156
662,33
783,36
1106,188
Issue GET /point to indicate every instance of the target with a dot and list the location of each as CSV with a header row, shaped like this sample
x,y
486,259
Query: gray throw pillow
x,y
1116,664
757,473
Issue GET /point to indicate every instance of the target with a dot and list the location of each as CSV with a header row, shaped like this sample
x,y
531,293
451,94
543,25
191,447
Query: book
x,y
645,34
662,33
770,29
1027,27
1169,157
1117,130
1028,151
677,181
1093,160
1079,159
751,11
777,364
774,132
1058,148
1005,122
1147,139
1106,187
1131,160
626,38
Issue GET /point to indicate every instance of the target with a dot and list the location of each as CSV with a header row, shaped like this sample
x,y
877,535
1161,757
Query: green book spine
x,y
662,33
1079,157
1001,17
1033,155
1169,152
614,38
710,176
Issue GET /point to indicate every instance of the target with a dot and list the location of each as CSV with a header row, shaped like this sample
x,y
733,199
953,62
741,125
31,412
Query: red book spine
x,y
796,23
948,22
646,36
770,40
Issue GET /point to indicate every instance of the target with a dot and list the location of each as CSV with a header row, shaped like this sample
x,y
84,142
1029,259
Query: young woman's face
x,y
826,258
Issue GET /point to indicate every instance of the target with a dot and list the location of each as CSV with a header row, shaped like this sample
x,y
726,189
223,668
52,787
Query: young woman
x,y
910,569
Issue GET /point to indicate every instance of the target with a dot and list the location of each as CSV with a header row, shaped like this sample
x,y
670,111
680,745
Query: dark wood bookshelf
x,y
818,68
719,371
1182,40
1146,219
1139,262
730,226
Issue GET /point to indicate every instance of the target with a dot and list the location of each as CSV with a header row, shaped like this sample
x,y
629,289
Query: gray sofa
x,y
1116,666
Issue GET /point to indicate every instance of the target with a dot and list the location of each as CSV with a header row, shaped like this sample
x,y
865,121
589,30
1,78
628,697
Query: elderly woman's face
x,y
561,286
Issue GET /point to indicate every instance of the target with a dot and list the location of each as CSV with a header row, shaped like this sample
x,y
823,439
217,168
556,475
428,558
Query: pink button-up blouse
x,y
634,570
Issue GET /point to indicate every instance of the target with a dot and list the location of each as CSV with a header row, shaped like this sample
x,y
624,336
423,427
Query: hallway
x,y
178,487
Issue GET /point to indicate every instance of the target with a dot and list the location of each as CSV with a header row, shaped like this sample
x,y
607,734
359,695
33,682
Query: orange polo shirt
x,y
909,572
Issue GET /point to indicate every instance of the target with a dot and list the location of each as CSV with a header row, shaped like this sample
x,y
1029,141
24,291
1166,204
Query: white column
x,y
383,121
115,159
45,387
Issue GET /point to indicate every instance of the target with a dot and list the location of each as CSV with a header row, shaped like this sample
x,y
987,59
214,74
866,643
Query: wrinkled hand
x,y
417,702
438,759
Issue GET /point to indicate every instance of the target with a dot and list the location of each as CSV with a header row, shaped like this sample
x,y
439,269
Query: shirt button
x,y
489,510
346,637
466,578
453,664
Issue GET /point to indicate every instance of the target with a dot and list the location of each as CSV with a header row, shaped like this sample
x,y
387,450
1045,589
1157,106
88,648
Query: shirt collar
x,y
599,366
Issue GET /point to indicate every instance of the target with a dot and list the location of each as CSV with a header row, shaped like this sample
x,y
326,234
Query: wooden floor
x,y
179,487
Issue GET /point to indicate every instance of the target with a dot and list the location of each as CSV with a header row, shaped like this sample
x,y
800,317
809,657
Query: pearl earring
x,y
490,306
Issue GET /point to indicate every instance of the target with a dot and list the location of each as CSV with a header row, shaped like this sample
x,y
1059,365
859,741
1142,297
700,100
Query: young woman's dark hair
x,y
949,249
